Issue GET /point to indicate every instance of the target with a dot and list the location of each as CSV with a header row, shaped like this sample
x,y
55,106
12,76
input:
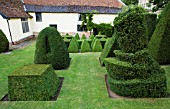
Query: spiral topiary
x,y
51,49
4,43
134,72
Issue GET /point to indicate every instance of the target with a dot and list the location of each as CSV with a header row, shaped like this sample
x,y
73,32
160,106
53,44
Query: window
x,y
81,28
53,25
80,17
25,26
38,17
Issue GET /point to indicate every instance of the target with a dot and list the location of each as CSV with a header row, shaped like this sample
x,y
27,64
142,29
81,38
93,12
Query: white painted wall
x,y
66,22
16,29
4,27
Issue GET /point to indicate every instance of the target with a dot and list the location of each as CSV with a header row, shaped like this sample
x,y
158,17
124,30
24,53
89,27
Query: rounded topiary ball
x,y
51,49
4,43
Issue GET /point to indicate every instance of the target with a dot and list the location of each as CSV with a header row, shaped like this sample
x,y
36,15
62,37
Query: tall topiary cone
x,y
134,72
159,45
51,49
4,43
77,36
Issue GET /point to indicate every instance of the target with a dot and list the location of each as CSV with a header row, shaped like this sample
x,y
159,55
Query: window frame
x,y
25,25
38,16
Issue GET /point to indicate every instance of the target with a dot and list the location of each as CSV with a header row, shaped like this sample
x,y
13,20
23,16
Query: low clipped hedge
x,y
36,82
4,43
85,47
110,46
51,49
101,36
155,86
97,47
73,47
103,41
159,45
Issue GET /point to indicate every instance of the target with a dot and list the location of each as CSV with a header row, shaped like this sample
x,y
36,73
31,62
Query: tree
x,y
130,2
159,4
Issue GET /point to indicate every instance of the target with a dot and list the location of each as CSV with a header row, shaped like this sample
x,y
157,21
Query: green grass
x,y
83,86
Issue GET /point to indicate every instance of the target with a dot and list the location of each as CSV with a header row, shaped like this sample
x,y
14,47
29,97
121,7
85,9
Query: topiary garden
x,y
51,49
133,72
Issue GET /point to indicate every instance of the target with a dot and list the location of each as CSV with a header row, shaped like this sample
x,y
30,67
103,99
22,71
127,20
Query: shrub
x,y
75,40
105,29
4,43
85,47
101,36
92,36
68,37
51,49
77,36
93,42
83,36
130,29
97,47
103,41
159,45
73,48
133,72
149,23
67,42
37,82
130,2
108,49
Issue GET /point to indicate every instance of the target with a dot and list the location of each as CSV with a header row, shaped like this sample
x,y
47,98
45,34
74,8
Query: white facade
x,y
66,22
15,28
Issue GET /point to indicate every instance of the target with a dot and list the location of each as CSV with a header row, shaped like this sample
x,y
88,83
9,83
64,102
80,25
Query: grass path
x,y
83,86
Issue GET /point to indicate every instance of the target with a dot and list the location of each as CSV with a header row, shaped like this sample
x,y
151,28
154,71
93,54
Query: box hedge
x,y
73,48
159,45
97,47
51,49
85,47
4,43
36,82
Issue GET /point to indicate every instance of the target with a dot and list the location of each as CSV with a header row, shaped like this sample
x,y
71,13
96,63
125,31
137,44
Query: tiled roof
x,y
9,9
74,9
103,3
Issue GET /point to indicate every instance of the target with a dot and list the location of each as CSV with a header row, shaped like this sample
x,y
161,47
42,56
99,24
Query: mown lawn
x,y
83,86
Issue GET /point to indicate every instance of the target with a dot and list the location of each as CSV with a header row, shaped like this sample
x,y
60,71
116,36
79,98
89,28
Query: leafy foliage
x,y
4,43
37,82
85,47
159,45
158,4
73,48
97,47
130,2
83,36
51,49
77,36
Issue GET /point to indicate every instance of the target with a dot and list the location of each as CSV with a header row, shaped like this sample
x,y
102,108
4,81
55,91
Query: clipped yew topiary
x,y
77,36
4,43
35,82
83,36
97,47
92,36
110,45
85,47
159,45
51,49
134,72
73,48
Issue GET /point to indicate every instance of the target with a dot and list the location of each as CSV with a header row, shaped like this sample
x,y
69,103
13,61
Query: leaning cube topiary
x,y
51,49
35,82
4,43
97,47
77,36
159,45
134,72
73,48
85,47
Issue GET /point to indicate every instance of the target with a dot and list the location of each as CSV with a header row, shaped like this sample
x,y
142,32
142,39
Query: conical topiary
x,y
159,45
51,49
92,36
133,72
75,40
73,48
4,43
85,47
83,36
93,41
97,47
77,36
